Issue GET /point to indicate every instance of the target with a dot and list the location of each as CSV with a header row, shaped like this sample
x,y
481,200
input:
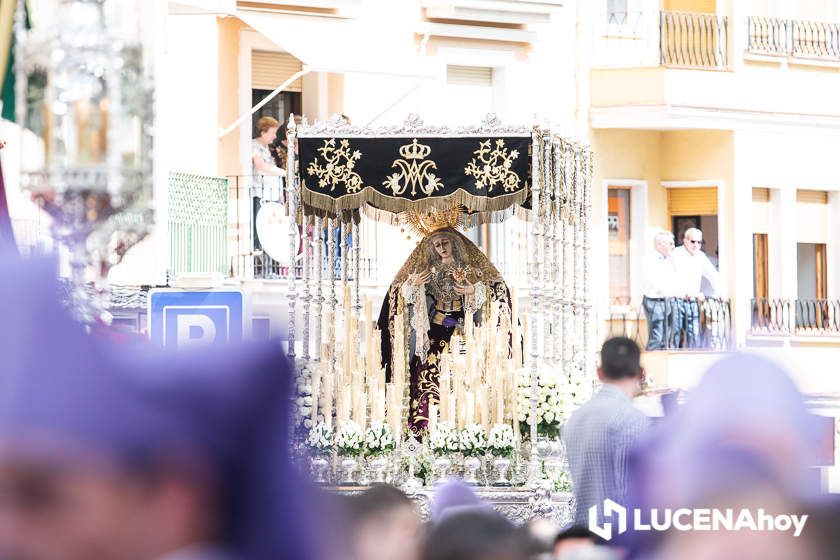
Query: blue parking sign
x,y
181,318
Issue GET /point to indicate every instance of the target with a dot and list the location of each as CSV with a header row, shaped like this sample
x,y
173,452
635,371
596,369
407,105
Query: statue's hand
x,y
421,278
464,289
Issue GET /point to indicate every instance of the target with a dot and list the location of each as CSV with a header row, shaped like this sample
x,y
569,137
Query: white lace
x,y
474,301
416,296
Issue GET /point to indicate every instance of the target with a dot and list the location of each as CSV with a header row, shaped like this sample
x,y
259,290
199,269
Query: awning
x,y
337,45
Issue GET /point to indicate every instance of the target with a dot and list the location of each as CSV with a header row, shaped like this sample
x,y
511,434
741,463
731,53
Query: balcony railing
x,y
794,38
715,325
198,211
815,39
693,40
803,317
252,259
768,36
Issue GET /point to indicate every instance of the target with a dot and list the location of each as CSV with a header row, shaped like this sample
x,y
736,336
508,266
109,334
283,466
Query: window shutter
x,y
701,201
812,197
480,76
760,194
270,69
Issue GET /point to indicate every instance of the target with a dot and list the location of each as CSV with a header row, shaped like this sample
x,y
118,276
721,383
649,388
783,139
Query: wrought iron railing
x,y
693,40
816,39
806,317
715,325
198,210
768,36
250,257
795,38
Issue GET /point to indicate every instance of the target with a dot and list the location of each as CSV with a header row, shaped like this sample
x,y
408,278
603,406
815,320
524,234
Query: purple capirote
x,y
66,396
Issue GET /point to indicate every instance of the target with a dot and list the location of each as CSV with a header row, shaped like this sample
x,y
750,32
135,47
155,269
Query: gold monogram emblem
x,y
414,171
338,168
491,167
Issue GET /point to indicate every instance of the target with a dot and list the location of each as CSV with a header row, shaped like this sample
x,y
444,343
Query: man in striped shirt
x,y
601,433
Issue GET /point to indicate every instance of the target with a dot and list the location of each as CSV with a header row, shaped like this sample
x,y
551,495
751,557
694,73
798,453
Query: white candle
x,y
316,393
433,414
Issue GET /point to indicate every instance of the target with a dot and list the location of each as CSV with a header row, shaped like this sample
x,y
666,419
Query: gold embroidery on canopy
x,y
338,167
414,171
492,166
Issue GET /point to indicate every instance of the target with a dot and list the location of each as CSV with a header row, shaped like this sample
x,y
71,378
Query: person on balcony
x,y
692,265
660,290
262,164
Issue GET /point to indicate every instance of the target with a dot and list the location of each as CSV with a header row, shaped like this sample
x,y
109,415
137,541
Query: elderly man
x,y
660,289
692,265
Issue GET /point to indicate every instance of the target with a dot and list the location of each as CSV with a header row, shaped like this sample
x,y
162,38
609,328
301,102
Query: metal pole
x,y
291,189
534,474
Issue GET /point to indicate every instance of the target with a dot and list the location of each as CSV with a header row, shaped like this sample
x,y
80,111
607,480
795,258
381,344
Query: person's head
x,y
444,246
68,510
693,240
383,525
266,130
118,451
474,535
663,242
621,362
573,538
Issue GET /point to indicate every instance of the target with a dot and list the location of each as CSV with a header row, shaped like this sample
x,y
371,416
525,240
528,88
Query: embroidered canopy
x,y
413,169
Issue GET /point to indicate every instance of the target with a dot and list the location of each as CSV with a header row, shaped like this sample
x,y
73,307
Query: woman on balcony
x,y
262,164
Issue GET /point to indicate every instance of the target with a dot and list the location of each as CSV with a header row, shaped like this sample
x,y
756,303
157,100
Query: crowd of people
x,y
117,451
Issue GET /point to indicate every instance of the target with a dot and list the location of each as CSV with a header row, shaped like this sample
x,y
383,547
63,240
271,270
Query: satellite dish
x,y
273,232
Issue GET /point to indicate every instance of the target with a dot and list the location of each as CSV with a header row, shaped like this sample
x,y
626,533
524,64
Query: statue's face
x,y
443,247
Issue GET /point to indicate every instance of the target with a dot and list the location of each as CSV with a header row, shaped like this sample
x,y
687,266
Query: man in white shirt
x,y
692,265
659,291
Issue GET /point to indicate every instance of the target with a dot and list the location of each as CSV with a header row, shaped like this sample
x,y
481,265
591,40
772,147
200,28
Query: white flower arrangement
x,y
379,439
501,441
320,438
443,439
303,399
558,396
473,440
350,440
561,481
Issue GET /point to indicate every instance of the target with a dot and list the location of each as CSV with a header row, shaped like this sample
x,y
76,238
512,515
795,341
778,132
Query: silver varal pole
x,y
588,326
318,254
291,189
555,251
330,295
547,263
534,474
305,272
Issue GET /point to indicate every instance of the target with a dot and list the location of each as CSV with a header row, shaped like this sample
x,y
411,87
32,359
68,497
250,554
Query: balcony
x,y
676,71
796,39
715,333
688,40
800,317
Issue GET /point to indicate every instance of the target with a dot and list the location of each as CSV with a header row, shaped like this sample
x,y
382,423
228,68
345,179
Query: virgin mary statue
x,y
445,283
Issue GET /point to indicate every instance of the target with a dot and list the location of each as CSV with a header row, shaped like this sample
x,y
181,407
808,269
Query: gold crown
x,y
428,222
415,150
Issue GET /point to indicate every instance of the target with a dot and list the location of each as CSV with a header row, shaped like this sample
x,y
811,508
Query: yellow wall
x,y
229,94
700,6
627,86
693,155
631,154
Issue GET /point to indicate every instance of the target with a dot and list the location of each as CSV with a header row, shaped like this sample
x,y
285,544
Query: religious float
x,y
454,372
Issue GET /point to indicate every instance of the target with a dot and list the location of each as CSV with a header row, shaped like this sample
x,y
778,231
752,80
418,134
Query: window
x,y
618,227
760,268
617,12
468,95
811,311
